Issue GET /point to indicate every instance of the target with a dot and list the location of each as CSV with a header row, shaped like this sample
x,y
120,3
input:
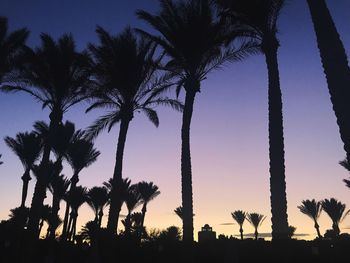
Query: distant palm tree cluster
x,y
131,72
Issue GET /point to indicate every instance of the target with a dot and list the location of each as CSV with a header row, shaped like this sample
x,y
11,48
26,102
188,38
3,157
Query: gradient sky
x,y
229,138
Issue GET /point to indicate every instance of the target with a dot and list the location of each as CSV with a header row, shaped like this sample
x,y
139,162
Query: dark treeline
x,y
133,71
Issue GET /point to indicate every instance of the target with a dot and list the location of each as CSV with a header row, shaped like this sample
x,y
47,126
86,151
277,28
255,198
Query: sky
x,y
229,133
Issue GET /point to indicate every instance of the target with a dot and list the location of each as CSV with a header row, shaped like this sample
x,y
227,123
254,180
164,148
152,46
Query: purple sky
x,y
229,130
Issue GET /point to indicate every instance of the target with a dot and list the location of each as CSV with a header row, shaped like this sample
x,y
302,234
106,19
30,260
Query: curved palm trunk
x,y
42,179
186,170
25,178
116,202
318,229
335,65
256,234
276,146
74,180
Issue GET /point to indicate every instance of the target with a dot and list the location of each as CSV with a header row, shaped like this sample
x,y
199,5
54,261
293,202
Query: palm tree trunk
x,y
276,145
25,178
335,65
74,180
256,234
54,212
115,205
186,170
100,216
336,229
42,179
318,230
41,226
241,231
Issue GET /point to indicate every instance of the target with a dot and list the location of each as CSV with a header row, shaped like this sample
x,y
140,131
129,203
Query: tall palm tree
x,y
76,198
312,209
335,210
256,220
239,216
80,154
27,147
58,76
335,65
128,82
11,45
261,17
192,37
147,191
97,199
58,186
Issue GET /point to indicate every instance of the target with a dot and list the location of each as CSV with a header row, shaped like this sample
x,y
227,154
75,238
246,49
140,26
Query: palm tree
x,y
97,199
127,80
76,198
261,19
256,220
312,209
11,45
335,65
335,210
80,154
239,216
44,216
147,191
192,37
27,147
58,76
58,186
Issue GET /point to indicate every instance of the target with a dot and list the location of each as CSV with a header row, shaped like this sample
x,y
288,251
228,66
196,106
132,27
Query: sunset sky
x,y
229,135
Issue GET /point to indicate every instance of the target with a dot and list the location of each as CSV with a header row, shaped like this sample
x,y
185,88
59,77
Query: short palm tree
x,y
132,201
58,76
76,198
147,191
128,82
256,220
312,209
97,199
27,147
335,210
336,66
192,37
58,187
80,154
11,44
239,216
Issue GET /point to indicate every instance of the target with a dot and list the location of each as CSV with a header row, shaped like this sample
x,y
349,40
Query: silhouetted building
x,y
206,234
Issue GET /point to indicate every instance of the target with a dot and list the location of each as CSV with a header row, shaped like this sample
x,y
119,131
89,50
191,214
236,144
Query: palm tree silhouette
x,y
76,199
58,76
80,154
126,75
239,216
312,209
58,186
147,191
192,37
346,165
256,220
178,211
335,210
97,199
44,217
27,147
11,45
261,19
335,65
